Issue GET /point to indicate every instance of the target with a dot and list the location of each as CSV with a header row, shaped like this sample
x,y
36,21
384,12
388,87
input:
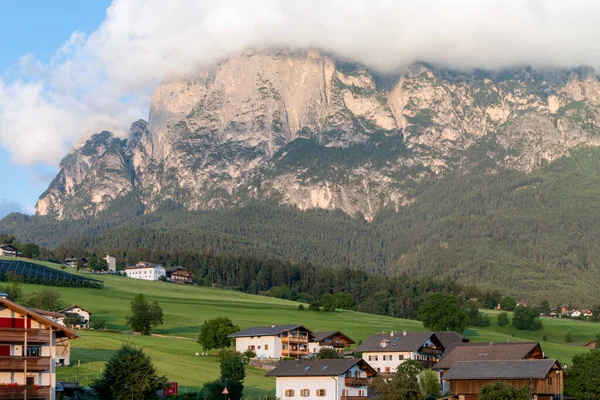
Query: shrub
x,y
300,307
568,337
503,319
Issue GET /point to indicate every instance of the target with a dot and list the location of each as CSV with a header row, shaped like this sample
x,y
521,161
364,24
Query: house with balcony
x,y
179,275
28,351
275,341
328,379
8,250
84,315
146,271
385,351
331,340
544,378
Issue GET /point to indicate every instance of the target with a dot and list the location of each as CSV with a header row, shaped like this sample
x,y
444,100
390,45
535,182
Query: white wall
x,y
148,274
333,385
259,342
392,360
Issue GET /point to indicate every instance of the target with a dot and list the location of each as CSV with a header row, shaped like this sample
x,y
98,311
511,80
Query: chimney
x,y
404,333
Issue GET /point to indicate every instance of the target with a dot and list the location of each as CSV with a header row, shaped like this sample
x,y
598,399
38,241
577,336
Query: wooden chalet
x,y
179,275
544,378
8,250
331,339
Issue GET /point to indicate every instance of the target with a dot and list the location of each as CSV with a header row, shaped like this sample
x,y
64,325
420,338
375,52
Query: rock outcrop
x,y
307,130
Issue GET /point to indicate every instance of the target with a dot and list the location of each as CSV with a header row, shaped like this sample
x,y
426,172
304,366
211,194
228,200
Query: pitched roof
x,y
177,268
398,342
321,336
505,369
48,313
4,246
267,330
325,367
60,329
448,338
484,352
74,306
144,264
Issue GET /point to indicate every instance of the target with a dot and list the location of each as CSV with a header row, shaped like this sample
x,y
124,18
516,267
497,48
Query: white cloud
x,y
104,80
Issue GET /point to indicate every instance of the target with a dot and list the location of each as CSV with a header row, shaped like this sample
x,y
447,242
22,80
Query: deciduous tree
x,y
214,332
145,315
503,391
584,376
440,312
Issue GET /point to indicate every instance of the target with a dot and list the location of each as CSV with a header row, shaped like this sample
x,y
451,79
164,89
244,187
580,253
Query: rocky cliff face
x,y
311,131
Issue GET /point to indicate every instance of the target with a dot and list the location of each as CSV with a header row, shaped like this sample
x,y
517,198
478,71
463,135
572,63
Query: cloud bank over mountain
x,y
104,80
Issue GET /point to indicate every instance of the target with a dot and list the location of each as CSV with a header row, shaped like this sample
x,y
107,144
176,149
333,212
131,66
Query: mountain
x,y
488,177
309,131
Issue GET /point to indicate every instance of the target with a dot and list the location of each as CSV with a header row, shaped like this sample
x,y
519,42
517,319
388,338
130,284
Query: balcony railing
x,y
294,339
8,363
351,381
17,335
19,394
427,363
292,353
354,397
432,351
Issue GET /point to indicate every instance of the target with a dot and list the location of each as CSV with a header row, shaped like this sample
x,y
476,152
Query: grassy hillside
x,y
186,308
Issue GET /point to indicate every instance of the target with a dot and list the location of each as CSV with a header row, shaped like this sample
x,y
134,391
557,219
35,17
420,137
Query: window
x,y
390,357
370,358
320,392
251,347
549,380
376,357
266,347
289,393
384,357
305,393
259,347
34,351
401,357
378,369
387,370
345,392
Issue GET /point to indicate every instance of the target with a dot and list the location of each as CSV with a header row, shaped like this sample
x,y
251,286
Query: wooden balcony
x,y
19,394
354,397
427,363
431,351
351,381
18,364
294,352
17,335
294,339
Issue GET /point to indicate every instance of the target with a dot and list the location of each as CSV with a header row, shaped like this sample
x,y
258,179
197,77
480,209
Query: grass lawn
x,y
187,307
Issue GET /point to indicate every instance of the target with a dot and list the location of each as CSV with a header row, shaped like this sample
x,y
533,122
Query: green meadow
x,y
187,307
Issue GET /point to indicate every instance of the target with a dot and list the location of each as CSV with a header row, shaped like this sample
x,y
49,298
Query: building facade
x,y
385,351
179,275
81,312
329,340
146,271
111,262
7,250
28,354
328,379
274,341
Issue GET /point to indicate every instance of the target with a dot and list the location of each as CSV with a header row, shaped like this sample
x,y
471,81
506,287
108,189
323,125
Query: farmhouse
x,y
111,262
84,315
7,250
28,351
543,377
73,261
331,340
179,275
329,379
274,341
385,351
146,271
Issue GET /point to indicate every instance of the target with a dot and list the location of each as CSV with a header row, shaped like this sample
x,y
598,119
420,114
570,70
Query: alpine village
x,y
300,200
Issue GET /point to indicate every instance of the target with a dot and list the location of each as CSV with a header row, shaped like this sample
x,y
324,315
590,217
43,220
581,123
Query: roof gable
x,y
74,306
321,336
60,329
504,369
268,330
486,352
325,367
395,342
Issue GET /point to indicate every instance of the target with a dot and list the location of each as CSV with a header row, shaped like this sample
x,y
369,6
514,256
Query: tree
x,y
597,340
327,352
145,315
98,324
569,337
584,376
429,384
503,319
328,302
404,384
508,303
249,355
503,391
214,332
129,374
526,319
345,301
72,319
100,265
233,373
31,250
440,312
476,318
46,299
213,390
544,308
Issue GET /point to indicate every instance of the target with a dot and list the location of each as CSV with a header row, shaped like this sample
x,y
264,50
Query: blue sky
x,y
37,27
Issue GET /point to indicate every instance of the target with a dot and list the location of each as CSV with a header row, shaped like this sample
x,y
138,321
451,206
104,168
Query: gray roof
x,y
326,367
398,342
447,338
485,352
507,369
321,336
266,330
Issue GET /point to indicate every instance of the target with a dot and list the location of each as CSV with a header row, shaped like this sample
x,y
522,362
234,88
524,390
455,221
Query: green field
x,y
187,307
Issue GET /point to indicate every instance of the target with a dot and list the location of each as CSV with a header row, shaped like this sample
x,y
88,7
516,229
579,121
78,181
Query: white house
x,y
146,271
328,379
112,263
84,315
7,250
385,351
274,341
